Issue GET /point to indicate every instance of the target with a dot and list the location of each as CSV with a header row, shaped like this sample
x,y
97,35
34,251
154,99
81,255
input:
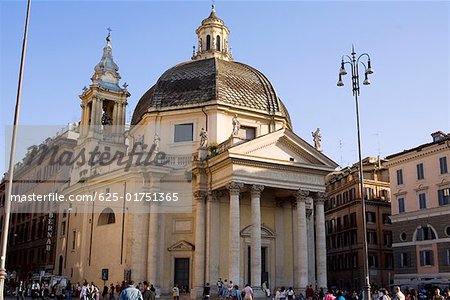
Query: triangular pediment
x,y
282,146
181,246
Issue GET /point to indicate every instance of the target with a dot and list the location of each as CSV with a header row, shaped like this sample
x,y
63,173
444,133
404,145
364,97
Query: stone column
x,y
199,254
212,237
92,113
113,127
234,244
311,245
302,240
321,254
256,236
280,269
153,238
120,123
84,120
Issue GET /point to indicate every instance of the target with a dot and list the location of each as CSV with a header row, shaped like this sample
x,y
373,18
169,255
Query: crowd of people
x,y
226,290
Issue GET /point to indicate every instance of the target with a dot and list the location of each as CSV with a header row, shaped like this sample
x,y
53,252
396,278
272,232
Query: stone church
x,y
251,191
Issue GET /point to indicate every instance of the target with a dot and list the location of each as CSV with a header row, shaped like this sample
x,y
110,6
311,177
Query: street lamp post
x,y
354,63
7,209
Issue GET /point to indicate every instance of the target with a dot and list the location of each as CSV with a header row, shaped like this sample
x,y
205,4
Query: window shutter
x,y
441,197
422,260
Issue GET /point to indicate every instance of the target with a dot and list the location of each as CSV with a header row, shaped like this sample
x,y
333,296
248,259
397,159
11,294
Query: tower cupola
x,y
212,38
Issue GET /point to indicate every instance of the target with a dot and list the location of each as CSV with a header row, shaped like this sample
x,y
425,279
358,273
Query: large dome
x,y
197,82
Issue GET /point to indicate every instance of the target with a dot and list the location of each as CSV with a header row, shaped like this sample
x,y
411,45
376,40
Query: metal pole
x,y
7,211
366,287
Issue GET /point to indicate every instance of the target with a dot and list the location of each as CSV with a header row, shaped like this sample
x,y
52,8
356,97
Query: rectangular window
x,y
352,194
247,133
339,224
444,196
448,257
422,201
371,217
353,237
401,205
385,195
345,221
387,239
372,237
403,259
368,193
399,177
420,173
184,132
426,258
74,239
389,261
353,220
443,165
373,261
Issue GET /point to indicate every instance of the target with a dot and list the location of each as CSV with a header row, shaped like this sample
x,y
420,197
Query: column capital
x,y
301,195
235,187
214,195
320,198
199,195
257,189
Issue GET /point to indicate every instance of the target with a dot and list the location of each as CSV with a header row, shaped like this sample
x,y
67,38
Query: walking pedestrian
x,y
105,292
206,291
219,285
20,290
236,293
111,292
175,292
437,295
248,292
131,293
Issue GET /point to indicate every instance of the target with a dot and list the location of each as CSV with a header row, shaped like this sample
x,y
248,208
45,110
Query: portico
x,y
250,195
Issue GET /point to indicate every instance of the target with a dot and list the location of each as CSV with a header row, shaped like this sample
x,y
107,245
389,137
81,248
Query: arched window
x,y
107,216
218,43
208,42
425,233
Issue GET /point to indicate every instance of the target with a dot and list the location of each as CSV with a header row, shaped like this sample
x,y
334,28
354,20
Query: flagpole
x,y
7,210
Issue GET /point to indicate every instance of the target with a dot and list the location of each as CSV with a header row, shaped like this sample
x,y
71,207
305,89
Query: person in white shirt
x,y
35,290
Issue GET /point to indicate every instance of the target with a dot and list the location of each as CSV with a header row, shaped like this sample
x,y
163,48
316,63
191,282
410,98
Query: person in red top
x,y
309,292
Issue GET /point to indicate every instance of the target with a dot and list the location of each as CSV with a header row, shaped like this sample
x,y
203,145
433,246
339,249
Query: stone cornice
x,y
418,154
441,211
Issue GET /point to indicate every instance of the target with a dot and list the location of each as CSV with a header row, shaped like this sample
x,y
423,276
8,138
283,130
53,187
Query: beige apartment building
x,y
343,222
252,205
32,231
420,186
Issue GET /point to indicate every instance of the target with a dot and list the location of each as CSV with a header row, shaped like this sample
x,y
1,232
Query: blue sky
x,y
297,45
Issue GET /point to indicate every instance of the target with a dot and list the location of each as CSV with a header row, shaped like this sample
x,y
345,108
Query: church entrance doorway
x,y
264,265
181,274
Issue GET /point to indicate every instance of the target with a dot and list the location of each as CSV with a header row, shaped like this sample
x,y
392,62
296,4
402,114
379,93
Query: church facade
x,y
253,192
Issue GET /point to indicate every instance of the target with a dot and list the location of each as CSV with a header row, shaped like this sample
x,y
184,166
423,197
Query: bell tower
x,y
103,107
212,38
103,104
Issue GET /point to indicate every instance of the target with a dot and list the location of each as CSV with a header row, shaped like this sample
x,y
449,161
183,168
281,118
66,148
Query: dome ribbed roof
x,y
199,81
